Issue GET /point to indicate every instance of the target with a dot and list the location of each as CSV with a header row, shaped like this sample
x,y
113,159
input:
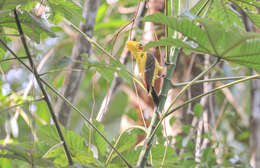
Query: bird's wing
x,y
149,70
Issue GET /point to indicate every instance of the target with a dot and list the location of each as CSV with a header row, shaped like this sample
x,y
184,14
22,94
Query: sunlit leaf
x,y
99,141
198,110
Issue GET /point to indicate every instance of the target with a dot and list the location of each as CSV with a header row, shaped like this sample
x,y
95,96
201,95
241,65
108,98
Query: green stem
x,y
166,31
212,91
20,104
62,70
162,97
8,59
94,43
192,82
174,85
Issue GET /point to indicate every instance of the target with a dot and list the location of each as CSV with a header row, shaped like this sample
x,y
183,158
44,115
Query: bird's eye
x,y
140,47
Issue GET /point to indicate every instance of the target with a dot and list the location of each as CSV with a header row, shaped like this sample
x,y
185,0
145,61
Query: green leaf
x,y
58,155
127,141
5,162
198,110
84,157
110,24
49,135
158,152
199,6
25,152
177,43
101,12
255,18
132,113
222,12
107,73
32,26
11,4
42,113
186,128
66,8
229,43
172,120
99,141
114,113
130,155
75,142
185,26
251,2
243,136
209,157
107,70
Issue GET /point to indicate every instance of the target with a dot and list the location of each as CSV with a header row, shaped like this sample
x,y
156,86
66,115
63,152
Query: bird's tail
x,y
155,97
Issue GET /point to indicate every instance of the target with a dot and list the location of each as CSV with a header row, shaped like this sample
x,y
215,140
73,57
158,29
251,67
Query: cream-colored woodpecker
x,y
148,67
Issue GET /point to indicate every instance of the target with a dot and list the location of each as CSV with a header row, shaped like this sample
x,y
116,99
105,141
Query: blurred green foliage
x,y
221,33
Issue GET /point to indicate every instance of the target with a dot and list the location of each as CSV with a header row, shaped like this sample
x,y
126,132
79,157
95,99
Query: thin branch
x,y
192,82
3,34
20,104
34,70
174,85
62,70
8,59
90,40
210,92
52,148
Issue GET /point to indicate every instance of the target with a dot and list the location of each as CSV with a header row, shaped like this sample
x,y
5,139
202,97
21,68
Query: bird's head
x,y
134,46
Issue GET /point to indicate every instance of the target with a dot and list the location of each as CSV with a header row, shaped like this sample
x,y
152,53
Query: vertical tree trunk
x,y
255,123
74,79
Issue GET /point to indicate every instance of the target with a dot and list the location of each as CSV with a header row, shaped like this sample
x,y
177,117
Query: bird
x,y
148,67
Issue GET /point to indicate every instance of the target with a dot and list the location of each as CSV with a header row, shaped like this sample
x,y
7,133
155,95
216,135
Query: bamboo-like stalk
x,y
171,64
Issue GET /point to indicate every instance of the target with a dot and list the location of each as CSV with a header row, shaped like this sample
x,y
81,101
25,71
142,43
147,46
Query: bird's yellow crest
x,y
135,47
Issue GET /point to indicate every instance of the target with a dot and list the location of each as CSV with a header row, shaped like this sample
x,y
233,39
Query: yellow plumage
x,y
148,66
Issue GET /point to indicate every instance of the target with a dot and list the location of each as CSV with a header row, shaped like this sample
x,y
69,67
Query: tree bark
x,y
255,123
73,79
